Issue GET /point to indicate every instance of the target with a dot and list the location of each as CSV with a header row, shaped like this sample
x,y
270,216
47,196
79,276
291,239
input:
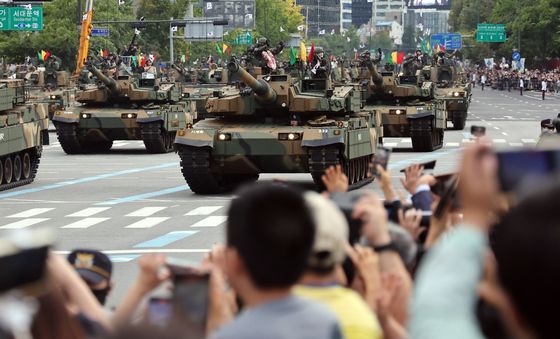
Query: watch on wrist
x,y
387,247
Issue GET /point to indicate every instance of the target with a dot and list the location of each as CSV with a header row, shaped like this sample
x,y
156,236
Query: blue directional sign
x,y
449,40
516,56
100,31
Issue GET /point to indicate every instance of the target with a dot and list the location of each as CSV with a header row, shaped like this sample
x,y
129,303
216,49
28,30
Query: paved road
x,y
128,203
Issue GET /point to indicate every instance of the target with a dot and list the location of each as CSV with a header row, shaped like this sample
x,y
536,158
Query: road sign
x,y
21,19
516,56
100,31
244,38
448,40
491,33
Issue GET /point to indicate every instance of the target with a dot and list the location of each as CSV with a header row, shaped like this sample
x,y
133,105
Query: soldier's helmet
x,y
262,41
319,50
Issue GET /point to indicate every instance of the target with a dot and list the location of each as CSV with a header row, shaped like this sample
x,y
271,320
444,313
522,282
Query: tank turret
x,y
110,83
261,88
376,78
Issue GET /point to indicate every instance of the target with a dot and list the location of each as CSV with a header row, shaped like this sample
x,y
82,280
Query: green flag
x,y
293,56
134,60
219,49
183,58
388,58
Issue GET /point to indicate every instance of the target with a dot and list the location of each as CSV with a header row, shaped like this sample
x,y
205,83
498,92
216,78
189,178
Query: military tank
x,y
453,92
122,107
407,106
23,132
274,123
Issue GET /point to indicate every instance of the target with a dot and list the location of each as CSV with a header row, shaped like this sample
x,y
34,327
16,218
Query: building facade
x,y
361,12
321,16
345,14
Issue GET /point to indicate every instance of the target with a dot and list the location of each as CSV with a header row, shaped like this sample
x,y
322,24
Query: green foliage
x,y
380,40
271,15
337,44
408,39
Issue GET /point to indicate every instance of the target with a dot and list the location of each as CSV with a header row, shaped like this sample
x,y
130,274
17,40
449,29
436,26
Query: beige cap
x,y
331,232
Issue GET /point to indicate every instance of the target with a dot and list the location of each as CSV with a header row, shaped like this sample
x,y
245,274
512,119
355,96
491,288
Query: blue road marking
x,y
122,258
165,239
144,195
85,180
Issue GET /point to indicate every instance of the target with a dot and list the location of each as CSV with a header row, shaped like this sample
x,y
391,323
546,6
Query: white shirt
x,y
483,79
543,85
521,83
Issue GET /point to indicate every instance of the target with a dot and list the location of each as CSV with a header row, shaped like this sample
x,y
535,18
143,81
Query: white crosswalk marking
x,y
452,144
390,144
85,223
204,210
529,141
516,144
30,213
499,141
406,141
24,223
121,144
147,222
88,212
211,221
145,211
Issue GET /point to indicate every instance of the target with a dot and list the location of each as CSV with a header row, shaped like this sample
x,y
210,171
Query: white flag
x,y
210,33
332,32
136,31
226,33
322,32
300,28
282,29
173,28
121,2
348,39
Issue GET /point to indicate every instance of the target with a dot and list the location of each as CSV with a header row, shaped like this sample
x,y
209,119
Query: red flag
x,y
105,53
47,55
186,55
443,47
311,52
400,57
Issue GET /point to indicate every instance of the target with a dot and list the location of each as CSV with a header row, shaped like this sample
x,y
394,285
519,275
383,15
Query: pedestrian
x,y
543,87
96,269
473,80
483,81
521,85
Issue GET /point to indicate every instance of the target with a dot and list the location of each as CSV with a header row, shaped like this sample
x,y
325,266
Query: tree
x,y
409,39
271,15
381,40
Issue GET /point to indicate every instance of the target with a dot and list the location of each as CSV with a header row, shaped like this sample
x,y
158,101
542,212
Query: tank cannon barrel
x,y
110,83
376,78
181,70
261,88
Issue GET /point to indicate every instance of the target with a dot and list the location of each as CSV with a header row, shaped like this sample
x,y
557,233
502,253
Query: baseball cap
x,y
331,232
93,266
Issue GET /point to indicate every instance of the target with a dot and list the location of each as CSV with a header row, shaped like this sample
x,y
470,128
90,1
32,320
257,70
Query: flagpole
x,y
306,21
171,58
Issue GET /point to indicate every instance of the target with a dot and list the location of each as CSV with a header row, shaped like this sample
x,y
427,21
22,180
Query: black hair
x,y
273,231
526,246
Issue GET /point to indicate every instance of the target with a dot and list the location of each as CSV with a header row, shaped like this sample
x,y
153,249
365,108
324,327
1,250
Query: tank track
x,y
68,138
195,166
424,137
35,160
321,158
459,120
156,139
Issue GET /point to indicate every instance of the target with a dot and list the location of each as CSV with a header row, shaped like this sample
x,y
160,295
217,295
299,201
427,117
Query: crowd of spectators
x,y
506,79
453,257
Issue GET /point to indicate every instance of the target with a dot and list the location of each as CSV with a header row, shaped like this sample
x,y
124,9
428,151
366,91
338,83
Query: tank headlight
x,y
289,136
86,115
224,136
456,94
283,104
53,97
398,111
128,116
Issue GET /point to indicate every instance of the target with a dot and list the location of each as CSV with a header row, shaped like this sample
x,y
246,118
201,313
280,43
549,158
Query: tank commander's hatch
x,y
314,85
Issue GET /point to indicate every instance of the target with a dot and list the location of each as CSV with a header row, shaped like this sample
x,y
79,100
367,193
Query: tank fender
x,y
420,115
67,116
317,137
196,137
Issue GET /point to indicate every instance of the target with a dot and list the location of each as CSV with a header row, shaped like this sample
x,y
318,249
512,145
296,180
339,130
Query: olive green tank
x,y
452,89
122,107
23,132
276,124
407,106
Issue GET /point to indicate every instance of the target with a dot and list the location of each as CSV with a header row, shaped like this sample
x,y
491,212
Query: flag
x,y
332,32
101,53
183,58
224,48
39,56
400,57
226,33
105,53
394,58
282,29
443,47
136,31
389,59
173,28
121,2
348,39
311,52
322,32
293,56
186,55
134,60
45,55
303,51
218,49
300,28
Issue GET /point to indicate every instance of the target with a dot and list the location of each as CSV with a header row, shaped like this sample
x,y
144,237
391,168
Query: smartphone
x,y
478,131
430,165
381,157
159,311
524,166
191,299
180,267
448,198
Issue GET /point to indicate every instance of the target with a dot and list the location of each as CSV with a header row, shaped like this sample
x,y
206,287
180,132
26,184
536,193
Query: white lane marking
x,y
88,212
147,222
499,141
85,223
121,144
504,133
23,223
452,144
211,221
529,141
516,144
489,124
496,127
30,213
145,211
204,210
406,140
390,144
466,141
151,250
